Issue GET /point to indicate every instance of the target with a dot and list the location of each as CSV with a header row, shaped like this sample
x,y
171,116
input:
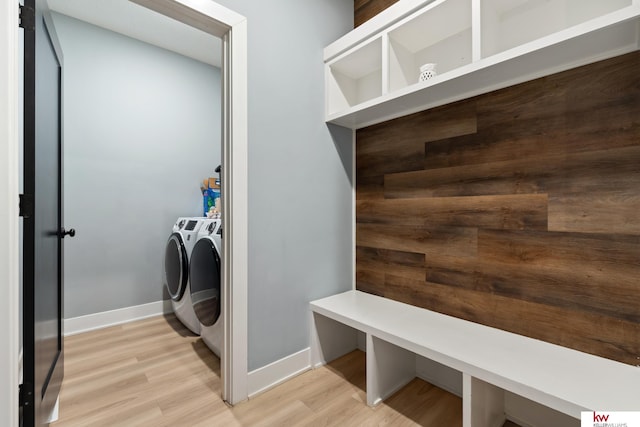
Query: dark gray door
x,y
41,207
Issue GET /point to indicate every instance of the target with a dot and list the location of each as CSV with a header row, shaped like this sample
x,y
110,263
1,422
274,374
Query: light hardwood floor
x,y
155,373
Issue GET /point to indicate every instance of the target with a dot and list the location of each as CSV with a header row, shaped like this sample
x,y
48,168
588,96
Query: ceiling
x,y
138,22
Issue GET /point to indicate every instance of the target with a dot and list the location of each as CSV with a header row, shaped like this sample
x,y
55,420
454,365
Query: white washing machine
x,y
206,283
176,269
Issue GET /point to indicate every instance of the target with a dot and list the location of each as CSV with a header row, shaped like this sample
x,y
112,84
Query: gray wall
x,y
300,191
141,131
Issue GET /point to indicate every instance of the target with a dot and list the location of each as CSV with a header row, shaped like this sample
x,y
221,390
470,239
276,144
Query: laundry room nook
x,y
320,213
142,128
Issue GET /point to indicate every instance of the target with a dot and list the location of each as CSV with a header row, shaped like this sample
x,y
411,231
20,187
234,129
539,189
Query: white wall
x,y
141,131
300,190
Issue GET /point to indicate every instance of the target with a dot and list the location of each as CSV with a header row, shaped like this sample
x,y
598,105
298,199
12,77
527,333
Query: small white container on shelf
x,y
439,33
427,71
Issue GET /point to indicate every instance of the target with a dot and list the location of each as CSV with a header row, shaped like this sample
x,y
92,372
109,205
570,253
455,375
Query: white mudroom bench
x,y
491,361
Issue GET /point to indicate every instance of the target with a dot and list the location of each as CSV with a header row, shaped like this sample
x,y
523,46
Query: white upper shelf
x,y
478,46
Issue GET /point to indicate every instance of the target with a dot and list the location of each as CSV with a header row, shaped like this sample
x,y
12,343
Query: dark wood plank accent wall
x,y
518,209
367,9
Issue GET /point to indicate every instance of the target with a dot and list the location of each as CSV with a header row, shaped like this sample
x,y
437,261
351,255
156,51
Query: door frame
x,y
9,222
232,28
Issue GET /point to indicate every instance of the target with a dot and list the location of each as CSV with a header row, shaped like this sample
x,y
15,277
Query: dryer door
x,y
204,274
176,267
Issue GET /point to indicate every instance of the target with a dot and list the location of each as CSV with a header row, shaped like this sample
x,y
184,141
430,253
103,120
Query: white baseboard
x,y
267,377
90,322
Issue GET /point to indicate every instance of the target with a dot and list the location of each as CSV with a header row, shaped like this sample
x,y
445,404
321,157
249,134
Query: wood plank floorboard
x,y
154,372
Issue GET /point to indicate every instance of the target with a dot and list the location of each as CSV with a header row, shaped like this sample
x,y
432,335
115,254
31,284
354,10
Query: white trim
x,y
9,238
208,16
91,322
236,214
275,373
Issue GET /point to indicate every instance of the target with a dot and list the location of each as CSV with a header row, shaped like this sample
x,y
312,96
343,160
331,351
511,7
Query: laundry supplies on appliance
x,y
211,197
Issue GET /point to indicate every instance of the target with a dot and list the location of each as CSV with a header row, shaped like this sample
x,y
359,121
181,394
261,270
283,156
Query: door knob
x,y
71,232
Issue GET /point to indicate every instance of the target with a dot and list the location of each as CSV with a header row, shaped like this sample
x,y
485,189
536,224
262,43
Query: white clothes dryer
x,y
176,269
206,283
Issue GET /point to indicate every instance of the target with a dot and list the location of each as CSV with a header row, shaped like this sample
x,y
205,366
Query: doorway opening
x,y
231,28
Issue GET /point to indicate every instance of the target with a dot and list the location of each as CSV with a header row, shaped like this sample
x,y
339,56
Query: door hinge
x,y
26,395
26,205
27,18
